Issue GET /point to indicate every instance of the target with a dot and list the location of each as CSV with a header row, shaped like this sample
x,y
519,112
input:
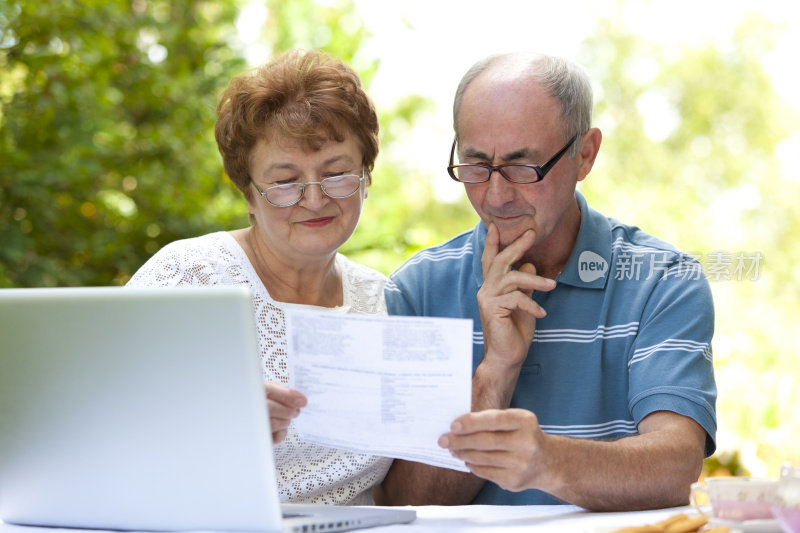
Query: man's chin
x,y
510,229
508,236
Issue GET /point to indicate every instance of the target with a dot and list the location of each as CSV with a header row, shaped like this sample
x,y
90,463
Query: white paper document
x,y
382,385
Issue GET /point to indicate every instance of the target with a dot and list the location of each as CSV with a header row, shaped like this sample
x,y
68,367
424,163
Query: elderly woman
x,y
299,138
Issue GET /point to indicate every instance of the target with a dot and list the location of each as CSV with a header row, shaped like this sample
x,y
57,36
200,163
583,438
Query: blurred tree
x,y
106,146
691,134
689,154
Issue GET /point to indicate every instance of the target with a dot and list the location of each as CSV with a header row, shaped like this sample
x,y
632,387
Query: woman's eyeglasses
x,y
287,194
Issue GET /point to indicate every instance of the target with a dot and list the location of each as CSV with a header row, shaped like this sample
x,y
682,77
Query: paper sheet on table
x,y
382,385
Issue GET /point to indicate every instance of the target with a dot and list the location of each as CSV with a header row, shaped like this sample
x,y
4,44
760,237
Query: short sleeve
x,y
671,365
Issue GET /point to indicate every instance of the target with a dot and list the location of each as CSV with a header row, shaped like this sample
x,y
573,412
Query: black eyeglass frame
x,y
303,186
541,171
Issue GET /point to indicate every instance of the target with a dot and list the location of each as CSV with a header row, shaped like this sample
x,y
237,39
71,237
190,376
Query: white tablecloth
x,y
490,518
556,518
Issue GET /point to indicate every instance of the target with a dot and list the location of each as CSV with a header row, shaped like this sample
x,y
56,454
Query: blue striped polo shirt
x,y
627,333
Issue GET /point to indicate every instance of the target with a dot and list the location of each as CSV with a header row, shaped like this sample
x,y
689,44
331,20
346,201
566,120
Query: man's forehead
x,y
506,88
507,104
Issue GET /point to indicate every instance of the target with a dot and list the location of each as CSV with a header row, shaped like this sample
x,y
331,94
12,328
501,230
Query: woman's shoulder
x,y
191,261
210,248
358,271
362,287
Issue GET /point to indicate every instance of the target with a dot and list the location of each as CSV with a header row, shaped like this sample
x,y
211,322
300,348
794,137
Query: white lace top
x,y
307,472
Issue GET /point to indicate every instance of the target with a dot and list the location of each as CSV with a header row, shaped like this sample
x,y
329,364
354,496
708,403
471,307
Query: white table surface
x,y
489,518
556,518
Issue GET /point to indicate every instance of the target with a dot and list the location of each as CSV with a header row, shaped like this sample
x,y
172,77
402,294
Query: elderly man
x,y
593,381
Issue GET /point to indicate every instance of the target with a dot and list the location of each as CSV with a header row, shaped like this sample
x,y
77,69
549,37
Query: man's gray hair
x,y
565,80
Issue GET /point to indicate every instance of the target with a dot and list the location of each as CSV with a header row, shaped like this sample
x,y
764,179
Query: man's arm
x,y
508,318
653,469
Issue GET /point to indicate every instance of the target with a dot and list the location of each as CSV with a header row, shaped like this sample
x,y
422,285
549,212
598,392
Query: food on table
x,y
678,523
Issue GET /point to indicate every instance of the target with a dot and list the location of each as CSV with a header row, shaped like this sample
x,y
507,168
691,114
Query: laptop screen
x,y
133,409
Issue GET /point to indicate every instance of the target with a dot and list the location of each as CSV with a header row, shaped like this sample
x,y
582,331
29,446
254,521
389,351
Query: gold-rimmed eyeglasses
x,y
287,194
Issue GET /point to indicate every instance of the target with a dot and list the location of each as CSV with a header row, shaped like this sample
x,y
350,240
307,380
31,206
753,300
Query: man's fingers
x,y
484,441
495,262
477,458
491,248
512,253
493,420
508,303
499,274
496,444
507,478
519,280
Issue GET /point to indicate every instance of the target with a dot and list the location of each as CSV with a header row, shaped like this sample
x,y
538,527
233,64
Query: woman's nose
x,y
313,195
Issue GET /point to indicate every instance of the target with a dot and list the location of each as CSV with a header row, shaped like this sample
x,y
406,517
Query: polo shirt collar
x,y
589,263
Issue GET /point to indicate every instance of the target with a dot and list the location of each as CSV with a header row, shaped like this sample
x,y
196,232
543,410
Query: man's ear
x,y
587,151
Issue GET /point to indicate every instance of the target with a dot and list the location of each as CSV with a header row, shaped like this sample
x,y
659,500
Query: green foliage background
x,y
714,186
107,153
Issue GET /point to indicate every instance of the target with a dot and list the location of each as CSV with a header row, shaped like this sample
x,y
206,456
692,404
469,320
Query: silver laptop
x,y
142,409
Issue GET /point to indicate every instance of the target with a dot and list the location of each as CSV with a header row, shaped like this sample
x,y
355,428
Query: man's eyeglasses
x,y
511,172
287,194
